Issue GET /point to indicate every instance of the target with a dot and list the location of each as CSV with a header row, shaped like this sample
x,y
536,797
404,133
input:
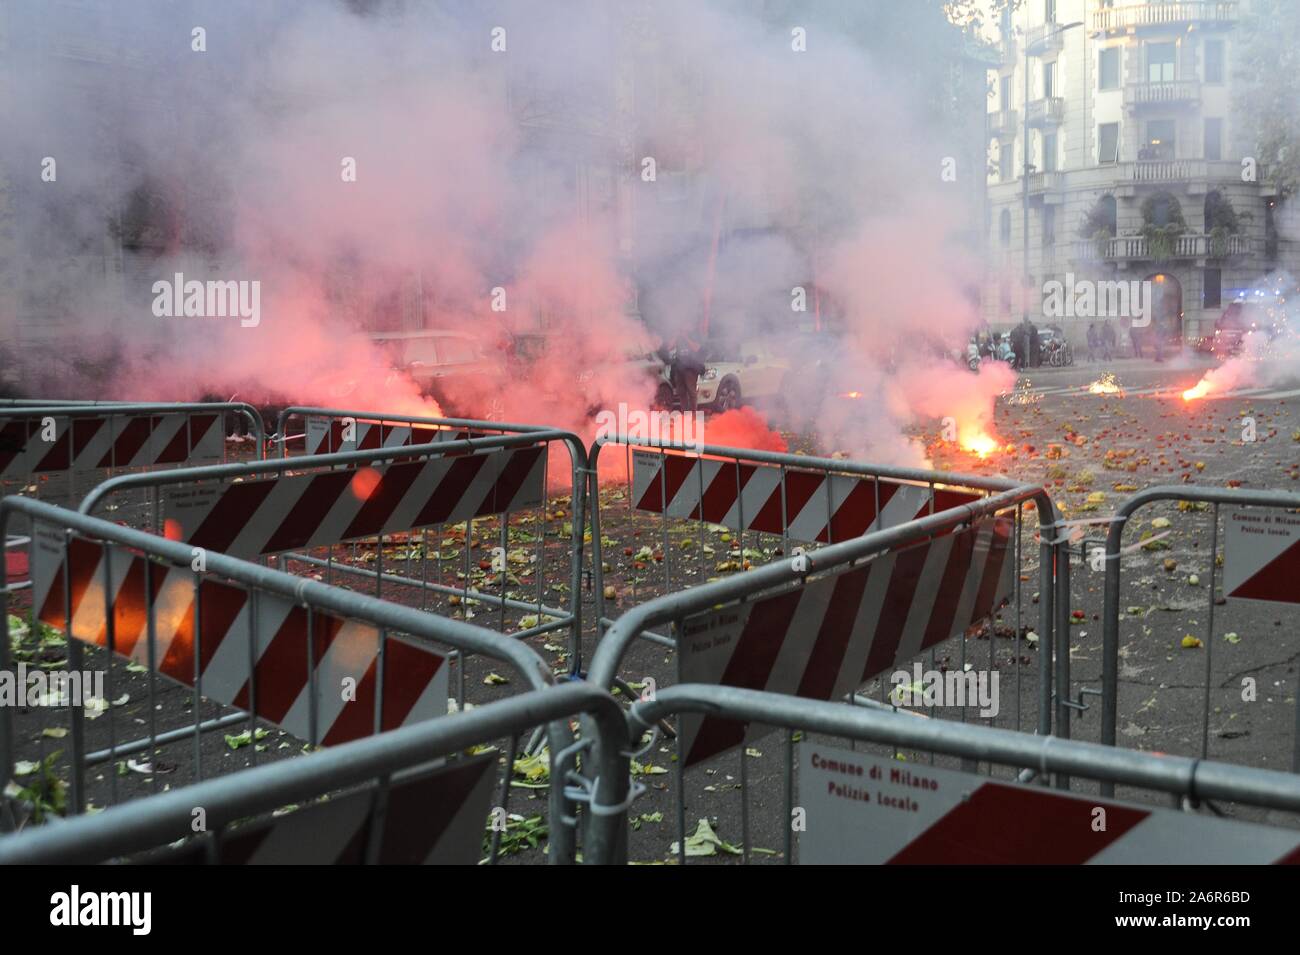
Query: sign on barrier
x,y
863,809
291,512
816,506
316,675
825,639
82,445
434,818
1261,559
329,435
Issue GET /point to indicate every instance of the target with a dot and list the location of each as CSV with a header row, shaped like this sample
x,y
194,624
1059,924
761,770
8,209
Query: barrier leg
x,y
1046,581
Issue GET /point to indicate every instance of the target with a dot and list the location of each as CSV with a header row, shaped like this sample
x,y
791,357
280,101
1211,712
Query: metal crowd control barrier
x,y
334,430
813,502
753,629
1114,553
377,763
967,818
285,506
268,645
85,442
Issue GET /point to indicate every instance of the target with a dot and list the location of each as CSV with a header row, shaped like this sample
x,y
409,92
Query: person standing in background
x,y
1108,341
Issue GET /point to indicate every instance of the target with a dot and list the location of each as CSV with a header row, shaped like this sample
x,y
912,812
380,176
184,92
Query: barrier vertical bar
x,y
1209,635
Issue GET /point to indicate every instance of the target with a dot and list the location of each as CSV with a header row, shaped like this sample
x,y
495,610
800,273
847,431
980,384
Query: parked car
x,y
651,365
758,374
445,364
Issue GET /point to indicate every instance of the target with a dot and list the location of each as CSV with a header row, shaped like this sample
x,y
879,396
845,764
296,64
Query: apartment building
x,y
1138,168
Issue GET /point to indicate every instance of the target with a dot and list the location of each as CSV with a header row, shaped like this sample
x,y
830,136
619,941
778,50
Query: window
x,y
1049,79
1160,62
1214,61
1049,11
1107,214
1160,140
1004,93
1049,226
1004,227
1108,69
456,350
1108,142
1213,296
1049,152
1213,138
1006,153
1006,21
421,350
1162,211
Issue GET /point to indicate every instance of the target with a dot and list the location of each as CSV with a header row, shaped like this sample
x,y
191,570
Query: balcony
x,y
1008,51
1135,16
1196,176
1003,123
1048,111
1044,38
1166,93
1136,248
1048,186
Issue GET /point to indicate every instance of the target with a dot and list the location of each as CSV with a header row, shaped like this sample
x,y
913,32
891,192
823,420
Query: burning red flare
x,y
1200,390
979,443
364,483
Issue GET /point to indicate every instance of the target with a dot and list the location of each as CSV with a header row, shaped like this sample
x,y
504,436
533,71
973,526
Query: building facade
x,y
1138,169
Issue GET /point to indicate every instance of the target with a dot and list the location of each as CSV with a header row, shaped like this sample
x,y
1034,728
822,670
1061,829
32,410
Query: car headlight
x,y
710,374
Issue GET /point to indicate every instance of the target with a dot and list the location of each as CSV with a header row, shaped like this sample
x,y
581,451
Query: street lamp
x,y
1024,226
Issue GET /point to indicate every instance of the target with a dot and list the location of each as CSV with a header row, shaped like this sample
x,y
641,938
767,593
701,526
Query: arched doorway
x,y
1166,310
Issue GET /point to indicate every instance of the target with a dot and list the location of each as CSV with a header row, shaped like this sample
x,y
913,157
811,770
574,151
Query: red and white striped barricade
x,y
828,637
433,818
59,452
331,435
862,809
272,515
802,505
320,677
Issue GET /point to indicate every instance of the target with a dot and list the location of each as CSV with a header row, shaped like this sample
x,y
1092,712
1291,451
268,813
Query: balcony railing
x,y
1043,182
1003,122
1136,248
1009,51
1166,93
1048,110
1162,171
1043,38
1178,14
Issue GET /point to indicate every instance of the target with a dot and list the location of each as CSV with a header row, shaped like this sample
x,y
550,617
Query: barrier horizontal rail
x,y
1113,554
1193,778
294,591
157,820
